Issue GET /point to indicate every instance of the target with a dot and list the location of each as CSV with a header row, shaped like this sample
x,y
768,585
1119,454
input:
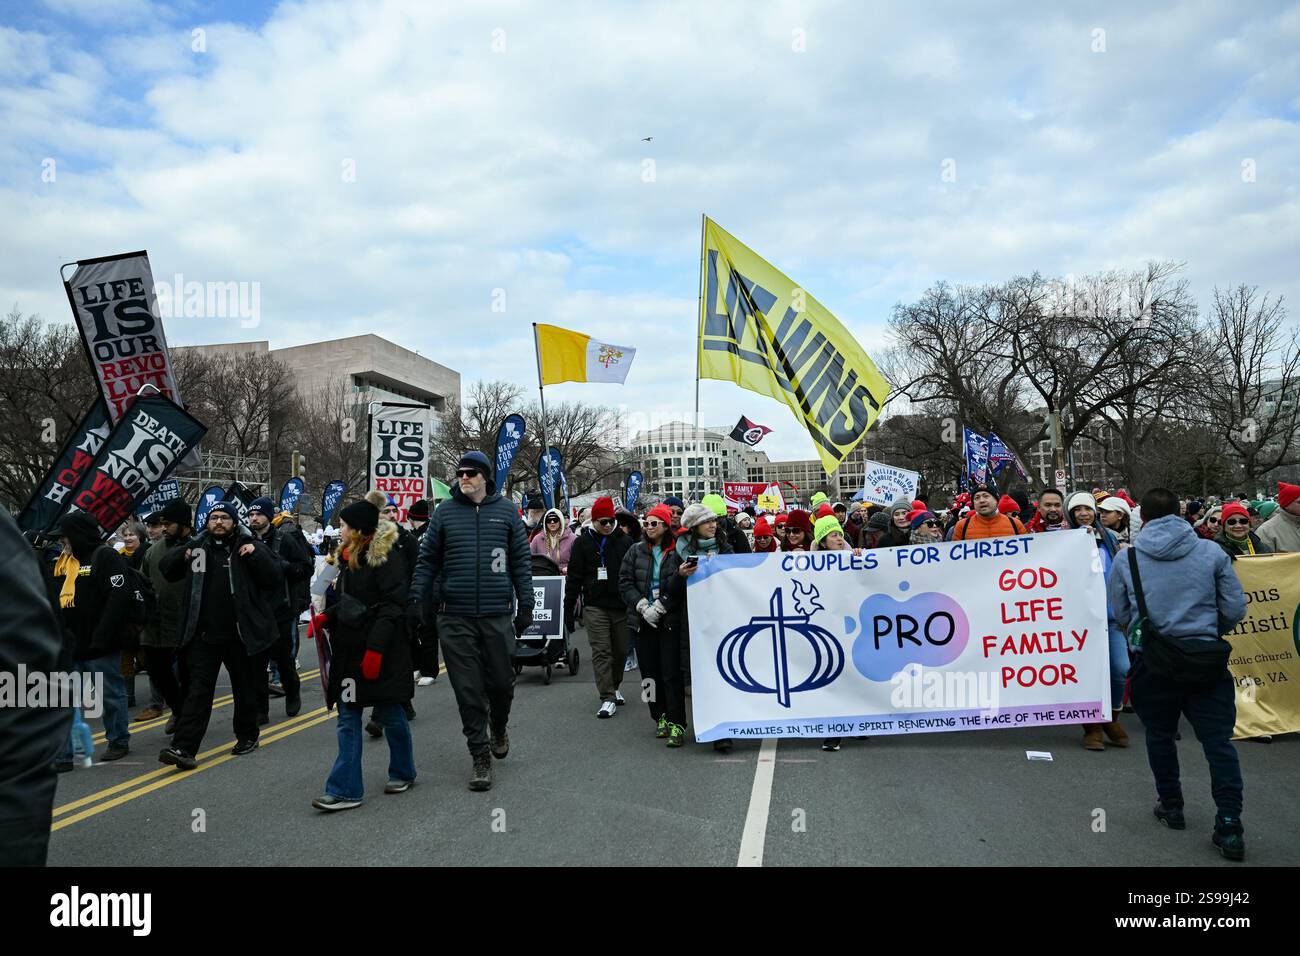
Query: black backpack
x,y
1195,663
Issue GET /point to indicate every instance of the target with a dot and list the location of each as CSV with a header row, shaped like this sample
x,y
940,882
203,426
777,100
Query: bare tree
x,y
332,435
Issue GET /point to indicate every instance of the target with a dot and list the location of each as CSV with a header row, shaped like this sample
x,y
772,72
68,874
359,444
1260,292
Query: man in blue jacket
x,y
479,546
1191,594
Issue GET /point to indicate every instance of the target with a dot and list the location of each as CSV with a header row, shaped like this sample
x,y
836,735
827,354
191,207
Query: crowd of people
x,y
455,582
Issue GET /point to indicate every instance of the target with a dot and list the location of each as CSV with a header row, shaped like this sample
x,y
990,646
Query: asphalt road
x,y
576,790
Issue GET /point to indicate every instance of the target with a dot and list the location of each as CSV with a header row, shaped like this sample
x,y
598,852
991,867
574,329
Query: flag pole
x,y
699,347
546,448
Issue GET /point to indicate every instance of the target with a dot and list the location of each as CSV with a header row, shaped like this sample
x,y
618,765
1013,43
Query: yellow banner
x,y
761,331
1265,660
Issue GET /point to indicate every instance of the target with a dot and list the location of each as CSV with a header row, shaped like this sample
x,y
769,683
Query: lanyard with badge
x,y
602,572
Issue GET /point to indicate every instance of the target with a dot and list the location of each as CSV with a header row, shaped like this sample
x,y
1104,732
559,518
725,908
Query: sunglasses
x,y
929,524
1211,520
654,524
604,522
466,473
1237,521
552,520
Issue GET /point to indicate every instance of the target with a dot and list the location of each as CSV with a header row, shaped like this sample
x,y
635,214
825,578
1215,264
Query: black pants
x,y
425,647
204,664
659,652
478,652
282,653
159,661
1212,712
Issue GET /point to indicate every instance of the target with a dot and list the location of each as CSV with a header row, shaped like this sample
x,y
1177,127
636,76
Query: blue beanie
x,y
262,506
476,460
672,501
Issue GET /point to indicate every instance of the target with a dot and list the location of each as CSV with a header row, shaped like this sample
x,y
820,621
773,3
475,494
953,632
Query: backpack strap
x,y
1137,583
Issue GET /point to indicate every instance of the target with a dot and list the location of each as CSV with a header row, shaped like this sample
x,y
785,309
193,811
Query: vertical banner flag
x,y
633,491
143,449
509,435
50,499
567,356
749,433
290,494
329,500
169,490
564,479
241,497
977,456
209,498
1000,456
1265,661
761,331
399,453
884,484
966,635
550,473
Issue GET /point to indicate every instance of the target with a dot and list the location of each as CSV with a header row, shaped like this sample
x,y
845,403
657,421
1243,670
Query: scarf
x,y
1245,546
69,567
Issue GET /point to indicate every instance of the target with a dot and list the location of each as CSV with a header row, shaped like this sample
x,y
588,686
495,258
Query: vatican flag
x,y
761,331
566,356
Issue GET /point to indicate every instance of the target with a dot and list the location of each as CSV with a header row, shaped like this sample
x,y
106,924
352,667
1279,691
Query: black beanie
x,y
419,510
83,533
179,512
361,516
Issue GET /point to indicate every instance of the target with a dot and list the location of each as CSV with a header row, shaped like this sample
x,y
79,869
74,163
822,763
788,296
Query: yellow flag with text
x,y
763,332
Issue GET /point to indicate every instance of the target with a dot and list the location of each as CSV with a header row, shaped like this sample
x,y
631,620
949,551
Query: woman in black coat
x,y
370,663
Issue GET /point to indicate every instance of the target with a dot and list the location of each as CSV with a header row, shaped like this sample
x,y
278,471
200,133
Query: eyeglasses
x,y
466,473
1237,521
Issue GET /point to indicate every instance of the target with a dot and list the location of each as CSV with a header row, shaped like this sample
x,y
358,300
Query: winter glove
x,y
641,605
317,625
370,664
523,621
654,613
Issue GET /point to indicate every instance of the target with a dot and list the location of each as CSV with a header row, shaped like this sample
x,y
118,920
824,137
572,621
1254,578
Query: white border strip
x,y
760,801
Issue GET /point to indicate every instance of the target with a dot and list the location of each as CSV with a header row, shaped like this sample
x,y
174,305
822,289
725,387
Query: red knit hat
x,y
824,509
602,508
1008,506
799,521
1287,493
919,505
782,519
762,529
663,513
1233,508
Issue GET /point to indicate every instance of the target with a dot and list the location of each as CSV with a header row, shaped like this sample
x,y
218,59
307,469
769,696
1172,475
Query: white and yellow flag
x,y
761,331
567,356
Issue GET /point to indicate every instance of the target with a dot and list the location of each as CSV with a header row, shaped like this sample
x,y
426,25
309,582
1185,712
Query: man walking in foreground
x,y
1184,596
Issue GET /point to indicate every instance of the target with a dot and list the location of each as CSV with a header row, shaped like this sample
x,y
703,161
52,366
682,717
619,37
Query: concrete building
x,y
679,459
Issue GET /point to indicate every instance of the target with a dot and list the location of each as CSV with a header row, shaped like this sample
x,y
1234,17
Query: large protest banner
x,y
399,453
50,499
884,484
239,495
143,450
742,494
967,635
1265,660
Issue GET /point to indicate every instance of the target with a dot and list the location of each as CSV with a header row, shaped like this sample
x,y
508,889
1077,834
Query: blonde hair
x,y
351,541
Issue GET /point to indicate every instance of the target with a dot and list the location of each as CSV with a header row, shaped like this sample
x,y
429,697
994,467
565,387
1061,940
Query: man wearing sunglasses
x,y
594,565
478,544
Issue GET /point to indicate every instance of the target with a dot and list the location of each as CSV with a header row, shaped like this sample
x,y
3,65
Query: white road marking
x,y
760,800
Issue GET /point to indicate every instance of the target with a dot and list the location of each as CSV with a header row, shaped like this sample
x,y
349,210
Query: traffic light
x,y
298,466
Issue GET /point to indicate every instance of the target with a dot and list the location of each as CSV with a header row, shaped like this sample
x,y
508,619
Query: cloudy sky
x,y
385,167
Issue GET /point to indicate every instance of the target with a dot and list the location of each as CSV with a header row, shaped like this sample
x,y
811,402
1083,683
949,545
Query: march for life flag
x,y
965,635
567,356
211,495
884,484
290,493
330,498
143,450
509,435
399,453
977,456
748,432
50,499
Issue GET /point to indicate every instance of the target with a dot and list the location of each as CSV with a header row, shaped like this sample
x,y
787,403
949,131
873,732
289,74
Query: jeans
x,y
607,632
1119,665
1212,712
80,742
115,714
345,779
478,651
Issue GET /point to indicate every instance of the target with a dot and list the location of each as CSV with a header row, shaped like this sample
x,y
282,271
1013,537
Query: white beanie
x,y
1115,504
1080,499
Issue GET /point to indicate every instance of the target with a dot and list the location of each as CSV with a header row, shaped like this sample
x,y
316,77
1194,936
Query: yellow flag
x,y
761,331
568,356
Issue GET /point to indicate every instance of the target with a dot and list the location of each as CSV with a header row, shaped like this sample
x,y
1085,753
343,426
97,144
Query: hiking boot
x,y
328,802
244,747
1092,739
115,752
293,704
676,735
149,713
1229,838
661,730
482,777
1115,732
1171,815
373,728
178,758
398,786
499,743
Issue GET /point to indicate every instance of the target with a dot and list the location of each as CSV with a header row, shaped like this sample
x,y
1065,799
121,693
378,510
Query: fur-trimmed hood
x,y
381,544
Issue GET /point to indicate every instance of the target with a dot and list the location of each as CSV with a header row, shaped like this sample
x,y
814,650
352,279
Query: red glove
x,y
317,625
370,664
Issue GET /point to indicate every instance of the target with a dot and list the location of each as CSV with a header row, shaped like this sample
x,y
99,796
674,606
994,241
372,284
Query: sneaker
x,y
178,758
84,761
723,746
426,681
328,802
676,735
631,663
499,743
244,747
1229,838
274,689
831,744
1171,815
1262,739
482,777
149,713
619,698
398,786
661,731
607,709
293,704
374,729
115,752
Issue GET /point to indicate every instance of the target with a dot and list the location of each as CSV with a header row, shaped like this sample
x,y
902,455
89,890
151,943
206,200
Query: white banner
x,y
967,635
885,484
399,453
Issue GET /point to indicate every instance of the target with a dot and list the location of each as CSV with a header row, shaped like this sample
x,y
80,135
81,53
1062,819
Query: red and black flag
x,y
748,432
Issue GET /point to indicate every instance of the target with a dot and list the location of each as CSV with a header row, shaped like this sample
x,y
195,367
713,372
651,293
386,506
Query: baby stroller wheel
x,y
572,662
546,678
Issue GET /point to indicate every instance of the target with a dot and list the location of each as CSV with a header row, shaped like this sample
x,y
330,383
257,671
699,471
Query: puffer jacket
x,y
164,626
541,543
1190,588
481,552
634,583
380,583
1281,531
254,581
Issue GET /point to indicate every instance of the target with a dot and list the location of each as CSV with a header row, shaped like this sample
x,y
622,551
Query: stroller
x,y
542,651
